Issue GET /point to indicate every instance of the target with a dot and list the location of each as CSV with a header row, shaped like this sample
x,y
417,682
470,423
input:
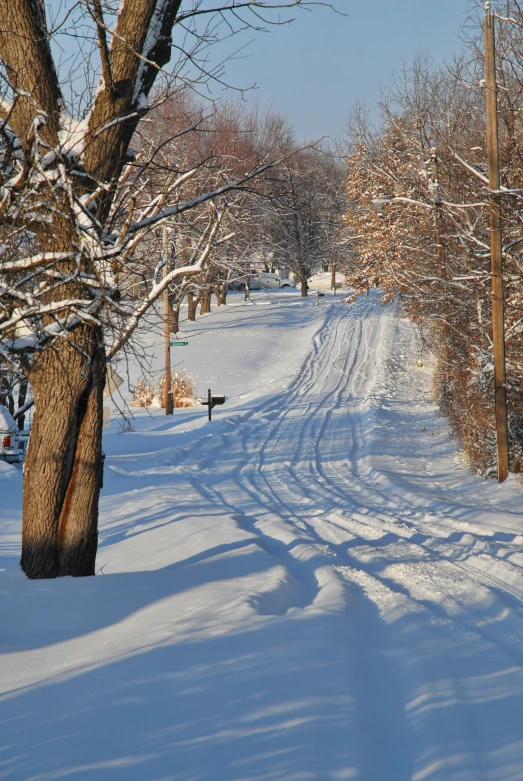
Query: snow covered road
x,y
311,587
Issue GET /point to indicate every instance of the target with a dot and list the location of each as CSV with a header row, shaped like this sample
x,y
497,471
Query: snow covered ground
x,y
312,586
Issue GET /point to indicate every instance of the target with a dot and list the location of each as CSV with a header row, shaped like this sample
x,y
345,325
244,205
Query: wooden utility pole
x,y
498,325
168,396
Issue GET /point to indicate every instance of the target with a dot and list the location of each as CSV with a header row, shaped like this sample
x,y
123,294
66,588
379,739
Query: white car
x,y
271,281
11,449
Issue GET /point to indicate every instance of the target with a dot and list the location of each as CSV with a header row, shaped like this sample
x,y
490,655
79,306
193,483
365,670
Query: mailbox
x,y
212,401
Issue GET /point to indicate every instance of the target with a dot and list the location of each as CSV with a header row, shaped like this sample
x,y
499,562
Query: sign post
x,y
168,396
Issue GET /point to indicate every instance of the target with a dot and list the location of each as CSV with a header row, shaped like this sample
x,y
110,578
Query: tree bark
x,y
205,303
303,280
175,319
107,142
78,525
6,395
22,395
63,466
24,47
192,303
220,291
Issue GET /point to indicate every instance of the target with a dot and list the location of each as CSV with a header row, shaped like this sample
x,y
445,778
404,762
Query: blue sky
x,y
316,69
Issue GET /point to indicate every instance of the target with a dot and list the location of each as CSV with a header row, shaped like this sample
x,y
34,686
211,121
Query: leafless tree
x,y
73,216
418,193
302,218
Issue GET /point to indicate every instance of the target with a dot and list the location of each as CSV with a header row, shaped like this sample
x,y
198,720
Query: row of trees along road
x,y
424,230
91,170
291,217
84,186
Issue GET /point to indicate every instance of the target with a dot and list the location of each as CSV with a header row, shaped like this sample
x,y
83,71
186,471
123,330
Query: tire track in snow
x,y
302,469
323,454
269,483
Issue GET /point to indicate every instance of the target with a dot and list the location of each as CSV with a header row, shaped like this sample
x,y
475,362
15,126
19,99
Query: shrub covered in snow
x,y
183,388
143,394
146,394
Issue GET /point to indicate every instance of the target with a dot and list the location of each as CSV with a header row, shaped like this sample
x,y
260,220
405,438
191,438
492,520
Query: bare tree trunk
x,y
22,395
175,319
64,460
6,398
78,527
303,280
205,303
192,303
220,290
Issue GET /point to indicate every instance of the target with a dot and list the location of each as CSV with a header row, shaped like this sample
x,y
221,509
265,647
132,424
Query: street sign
x,y
178,344
112,382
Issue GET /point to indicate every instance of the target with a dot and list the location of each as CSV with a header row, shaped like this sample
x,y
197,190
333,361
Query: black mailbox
x,y
212,401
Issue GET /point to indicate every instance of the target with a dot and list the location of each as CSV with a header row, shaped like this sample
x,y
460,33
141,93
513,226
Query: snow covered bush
x,y
143,394
183,388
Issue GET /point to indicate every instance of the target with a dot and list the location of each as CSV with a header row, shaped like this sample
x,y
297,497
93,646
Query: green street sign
x,y
178,344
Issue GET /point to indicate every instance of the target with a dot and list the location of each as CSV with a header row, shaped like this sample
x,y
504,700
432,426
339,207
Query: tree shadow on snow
x,y
300,697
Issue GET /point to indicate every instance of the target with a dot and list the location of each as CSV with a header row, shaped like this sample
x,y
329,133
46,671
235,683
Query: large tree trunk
x,y
63,463
63,466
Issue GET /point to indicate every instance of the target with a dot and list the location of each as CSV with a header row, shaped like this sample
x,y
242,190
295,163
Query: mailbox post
x,y
212,401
